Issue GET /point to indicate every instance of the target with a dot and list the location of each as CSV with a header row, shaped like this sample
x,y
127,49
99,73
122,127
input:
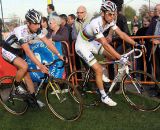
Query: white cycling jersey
x,y
86,45
16,38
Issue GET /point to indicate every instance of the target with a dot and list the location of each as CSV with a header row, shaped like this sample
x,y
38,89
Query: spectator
x,y
81,20
134,30
151,12
64,23
70,20
63,19
57,32
154,30
44,25
142,32
135,22
51,10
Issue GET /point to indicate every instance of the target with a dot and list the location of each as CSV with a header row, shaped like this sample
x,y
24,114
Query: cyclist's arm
x,y
109,36
108,47
51,46
30,54
124,36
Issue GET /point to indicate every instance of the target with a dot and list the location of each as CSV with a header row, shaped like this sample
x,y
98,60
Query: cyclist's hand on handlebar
x,y
140,46
61,57
124,60
43,68
64,58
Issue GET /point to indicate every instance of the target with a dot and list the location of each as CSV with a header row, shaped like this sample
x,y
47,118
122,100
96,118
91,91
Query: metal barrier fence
x,y
72,61
142,40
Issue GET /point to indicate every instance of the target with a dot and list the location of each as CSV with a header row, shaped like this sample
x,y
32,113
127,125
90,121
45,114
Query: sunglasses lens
x,y
110,14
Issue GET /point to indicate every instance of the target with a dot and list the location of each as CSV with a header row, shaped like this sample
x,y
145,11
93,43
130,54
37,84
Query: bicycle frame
x,y
46,76
125,68
121,71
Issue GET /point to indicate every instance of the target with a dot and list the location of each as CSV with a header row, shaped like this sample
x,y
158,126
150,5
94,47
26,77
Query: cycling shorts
x,y
8,56
86,49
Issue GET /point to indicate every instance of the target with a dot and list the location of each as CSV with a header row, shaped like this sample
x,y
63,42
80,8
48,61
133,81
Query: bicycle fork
x,y
135,85
59,91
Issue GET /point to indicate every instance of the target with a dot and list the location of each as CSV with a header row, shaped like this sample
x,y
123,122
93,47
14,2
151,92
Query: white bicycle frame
x,y
125,67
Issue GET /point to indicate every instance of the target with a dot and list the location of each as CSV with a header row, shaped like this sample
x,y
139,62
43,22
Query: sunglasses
x,y
110,13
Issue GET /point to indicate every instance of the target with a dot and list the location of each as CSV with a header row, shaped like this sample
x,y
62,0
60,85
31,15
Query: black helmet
x,y
33,16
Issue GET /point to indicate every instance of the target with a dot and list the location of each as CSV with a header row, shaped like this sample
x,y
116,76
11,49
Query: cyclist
x,y
18,42
91,40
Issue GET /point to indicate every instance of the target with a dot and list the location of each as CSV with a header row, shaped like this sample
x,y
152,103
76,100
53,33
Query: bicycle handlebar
x,y
124,55
133,51
54,62
49,64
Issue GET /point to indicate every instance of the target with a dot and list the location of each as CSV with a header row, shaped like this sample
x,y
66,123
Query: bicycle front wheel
x,y
61,101
11,102
141,91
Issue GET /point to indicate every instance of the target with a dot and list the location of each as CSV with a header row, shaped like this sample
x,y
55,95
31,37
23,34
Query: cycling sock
x,y
103,93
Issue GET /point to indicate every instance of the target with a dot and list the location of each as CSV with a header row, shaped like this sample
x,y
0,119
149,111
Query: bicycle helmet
x,y
108,6
33,16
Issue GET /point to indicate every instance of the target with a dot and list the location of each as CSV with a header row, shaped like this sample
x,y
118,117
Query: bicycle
x,y
136,86
59,98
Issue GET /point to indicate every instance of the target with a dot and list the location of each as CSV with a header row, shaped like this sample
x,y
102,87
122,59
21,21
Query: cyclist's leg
x,y
104,97
85,51
109,57
21,68
16,61
98,49
22,73
31,89
29,83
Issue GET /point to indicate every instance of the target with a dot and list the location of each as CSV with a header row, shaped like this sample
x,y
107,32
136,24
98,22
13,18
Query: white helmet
x,y
33,16
108,6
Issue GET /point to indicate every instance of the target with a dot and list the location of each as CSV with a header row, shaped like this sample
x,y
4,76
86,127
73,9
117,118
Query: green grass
x,y
102,117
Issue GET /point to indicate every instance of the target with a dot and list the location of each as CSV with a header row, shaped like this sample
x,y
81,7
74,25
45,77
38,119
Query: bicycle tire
x,y
87,89
11,102
61,101
141,98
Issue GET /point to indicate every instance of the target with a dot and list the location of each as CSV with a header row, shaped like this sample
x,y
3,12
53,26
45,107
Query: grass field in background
x,y
101,117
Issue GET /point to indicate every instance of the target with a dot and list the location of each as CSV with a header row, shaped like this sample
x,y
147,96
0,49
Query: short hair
x,y
72,16
56,18
45,19
51,6
63,16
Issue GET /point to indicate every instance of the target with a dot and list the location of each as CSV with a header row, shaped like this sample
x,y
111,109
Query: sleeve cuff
x,y
100,35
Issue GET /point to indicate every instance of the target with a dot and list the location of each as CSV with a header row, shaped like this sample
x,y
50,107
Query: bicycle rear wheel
x,y
138,88
11,102
86,87
61,101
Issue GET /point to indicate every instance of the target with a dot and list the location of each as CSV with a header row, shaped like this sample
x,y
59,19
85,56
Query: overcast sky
x,y
20,7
